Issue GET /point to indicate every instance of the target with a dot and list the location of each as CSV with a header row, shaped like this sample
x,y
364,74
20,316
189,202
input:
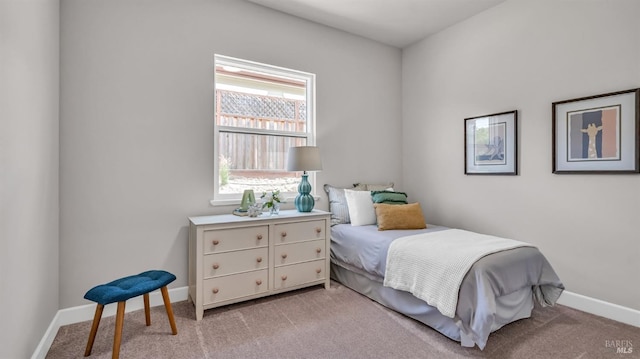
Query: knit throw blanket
x,y
431,266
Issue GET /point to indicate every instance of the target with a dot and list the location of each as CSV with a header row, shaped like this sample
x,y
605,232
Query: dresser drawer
x,y
235,286
219,264
296,274
299,252
221,240
299,231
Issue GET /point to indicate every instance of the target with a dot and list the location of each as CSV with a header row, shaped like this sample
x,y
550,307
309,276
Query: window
x,y
260,111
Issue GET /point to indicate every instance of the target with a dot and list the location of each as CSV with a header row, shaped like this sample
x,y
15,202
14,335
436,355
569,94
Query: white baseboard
x,y
86,312
601,308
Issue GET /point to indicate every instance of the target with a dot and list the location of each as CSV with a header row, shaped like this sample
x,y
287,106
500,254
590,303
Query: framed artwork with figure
x,y
597,134
491,146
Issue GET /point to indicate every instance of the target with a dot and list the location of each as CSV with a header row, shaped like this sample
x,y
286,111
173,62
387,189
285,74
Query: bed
x,y
498,288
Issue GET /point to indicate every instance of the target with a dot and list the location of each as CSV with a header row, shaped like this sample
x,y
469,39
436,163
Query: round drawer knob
x,y
259,259
318,270
318,229
216,266
216,242
284,234
284,277
259,236
215,290
258,282
318,250
284,255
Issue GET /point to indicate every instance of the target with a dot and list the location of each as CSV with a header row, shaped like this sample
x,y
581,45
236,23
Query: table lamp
x,y
304,158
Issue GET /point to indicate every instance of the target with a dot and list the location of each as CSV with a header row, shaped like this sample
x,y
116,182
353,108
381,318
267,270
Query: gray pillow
x,y
372,187
337,205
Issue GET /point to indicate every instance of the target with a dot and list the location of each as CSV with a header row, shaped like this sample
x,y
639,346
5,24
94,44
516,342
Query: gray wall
x,y
524,55
136,123
28,172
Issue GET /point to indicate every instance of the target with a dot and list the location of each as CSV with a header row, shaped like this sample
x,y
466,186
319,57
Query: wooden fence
x,y
248,151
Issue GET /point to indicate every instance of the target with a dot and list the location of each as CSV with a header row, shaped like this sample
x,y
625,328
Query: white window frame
x,y
220,199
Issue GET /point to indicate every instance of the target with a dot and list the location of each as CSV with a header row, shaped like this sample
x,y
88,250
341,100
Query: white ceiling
x,y
394,22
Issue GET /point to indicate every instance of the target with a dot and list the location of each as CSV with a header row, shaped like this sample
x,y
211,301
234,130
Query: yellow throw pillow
x,y
399,216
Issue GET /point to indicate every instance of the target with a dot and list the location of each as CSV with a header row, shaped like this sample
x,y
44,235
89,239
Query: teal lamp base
x,y
304,200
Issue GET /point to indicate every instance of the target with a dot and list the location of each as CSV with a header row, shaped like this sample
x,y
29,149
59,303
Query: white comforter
x,y
432,265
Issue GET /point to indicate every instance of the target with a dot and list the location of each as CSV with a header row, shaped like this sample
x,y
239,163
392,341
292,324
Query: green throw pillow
x,y
389,197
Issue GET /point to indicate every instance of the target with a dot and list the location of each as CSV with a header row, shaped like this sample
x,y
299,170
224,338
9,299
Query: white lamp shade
x,y
304,158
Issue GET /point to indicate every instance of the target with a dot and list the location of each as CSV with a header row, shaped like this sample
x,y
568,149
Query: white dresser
x,y
232,258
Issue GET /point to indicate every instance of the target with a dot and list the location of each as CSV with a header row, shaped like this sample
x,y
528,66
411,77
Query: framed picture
x,y
597,134
491,146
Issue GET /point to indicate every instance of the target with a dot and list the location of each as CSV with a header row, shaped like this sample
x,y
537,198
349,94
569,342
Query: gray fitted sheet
x,y
498,289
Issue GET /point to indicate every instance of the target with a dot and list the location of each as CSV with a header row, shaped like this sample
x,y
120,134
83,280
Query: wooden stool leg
x,y
147,313
94,329
117,337
167,306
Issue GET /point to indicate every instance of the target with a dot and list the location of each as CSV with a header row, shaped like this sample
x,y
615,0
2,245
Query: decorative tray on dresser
x,y
233,259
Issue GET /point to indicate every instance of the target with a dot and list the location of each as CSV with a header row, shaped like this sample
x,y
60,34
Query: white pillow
x,y
361,209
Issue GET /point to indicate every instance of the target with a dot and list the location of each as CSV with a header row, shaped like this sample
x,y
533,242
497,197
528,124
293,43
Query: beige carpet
x,y
339,323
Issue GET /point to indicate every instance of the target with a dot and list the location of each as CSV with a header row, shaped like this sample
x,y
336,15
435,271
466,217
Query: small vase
x,y
275,209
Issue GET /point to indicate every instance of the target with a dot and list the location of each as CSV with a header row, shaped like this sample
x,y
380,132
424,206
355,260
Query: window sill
x,y
224,202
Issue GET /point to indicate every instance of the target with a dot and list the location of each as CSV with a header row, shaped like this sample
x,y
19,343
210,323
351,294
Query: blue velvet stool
x,y
125,288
